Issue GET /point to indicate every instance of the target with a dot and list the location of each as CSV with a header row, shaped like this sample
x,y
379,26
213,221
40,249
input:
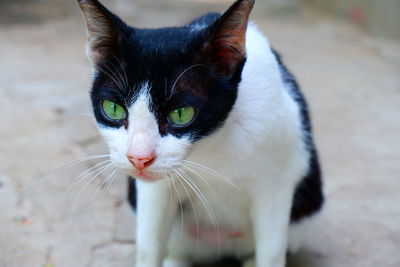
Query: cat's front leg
x,y
271,212
155,213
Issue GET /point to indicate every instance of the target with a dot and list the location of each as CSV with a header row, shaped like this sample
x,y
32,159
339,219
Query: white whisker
x,y
119,75
76,161
85,174
114,177
205,203
103,185
179,200
180,76
103,169
198,175
122,97
193,207
168,177
52,173
125,77
213,172
114,77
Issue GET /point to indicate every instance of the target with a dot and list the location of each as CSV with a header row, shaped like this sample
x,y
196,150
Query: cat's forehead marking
x,y
142,92
140,116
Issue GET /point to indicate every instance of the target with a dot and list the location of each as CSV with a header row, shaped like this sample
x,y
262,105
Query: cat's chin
x,y
145,176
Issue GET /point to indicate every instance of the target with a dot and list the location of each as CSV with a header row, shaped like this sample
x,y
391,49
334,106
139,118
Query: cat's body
x,y
226,153
236,179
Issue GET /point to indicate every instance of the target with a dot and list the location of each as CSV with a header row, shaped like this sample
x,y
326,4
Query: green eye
x,y
182,116
113,111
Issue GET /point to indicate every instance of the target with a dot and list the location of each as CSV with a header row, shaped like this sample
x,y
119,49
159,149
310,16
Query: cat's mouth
x,y
150,174
145,176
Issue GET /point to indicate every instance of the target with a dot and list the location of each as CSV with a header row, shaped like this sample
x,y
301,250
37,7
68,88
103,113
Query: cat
x,y
215,131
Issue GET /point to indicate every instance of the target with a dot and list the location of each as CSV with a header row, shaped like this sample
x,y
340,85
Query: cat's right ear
x,y
104,30
226,45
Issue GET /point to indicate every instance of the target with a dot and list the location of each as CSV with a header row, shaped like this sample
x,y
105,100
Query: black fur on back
x,y
308,197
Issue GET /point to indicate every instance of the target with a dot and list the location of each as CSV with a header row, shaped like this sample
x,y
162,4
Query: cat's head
x,y
158,91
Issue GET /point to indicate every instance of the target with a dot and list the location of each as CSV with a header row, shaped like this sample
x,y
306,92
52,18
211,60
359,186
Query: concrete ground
x,y
351,80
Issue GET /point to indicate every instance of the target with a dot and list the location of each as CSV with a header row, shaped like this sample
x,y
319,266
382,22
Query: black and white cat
x,y
216,132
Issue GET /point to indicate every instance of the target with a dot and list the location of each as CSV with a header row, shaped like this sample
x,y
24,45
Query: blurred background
x,y
345,54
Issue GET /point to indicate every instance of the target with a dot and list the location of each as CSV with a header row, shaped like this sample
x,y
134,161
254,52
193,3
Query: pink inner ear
x,y
94,55
101,30
228,52
227,45
231,49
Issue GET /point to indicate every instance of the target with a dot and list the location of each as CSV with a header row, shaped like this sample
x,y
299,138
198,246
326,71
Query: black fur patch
x,y
132,193
308,197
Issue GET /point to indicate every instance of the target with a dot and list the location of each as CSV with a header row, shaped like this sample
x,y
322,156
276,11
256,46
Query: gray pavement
x,y
351,80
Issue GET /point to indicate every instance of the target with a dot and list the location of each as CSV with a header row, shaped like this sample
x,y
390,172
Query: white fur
x,y
259,148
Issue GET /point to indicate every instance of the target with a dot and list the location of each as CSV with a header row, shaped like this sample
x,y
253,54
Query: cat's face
x,y
156,92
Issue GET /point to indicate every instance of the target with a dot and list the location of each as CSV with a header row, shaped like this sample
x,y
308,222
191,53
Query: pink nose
x,y
141,163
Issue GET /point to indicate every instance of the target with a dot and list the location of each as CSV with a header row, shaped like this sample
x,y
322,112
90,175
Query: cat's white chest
x,y
215,218
224,203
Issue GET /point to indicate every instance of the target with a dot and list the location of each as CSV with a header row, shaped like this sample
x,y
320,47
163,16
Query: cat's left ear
x,y
226,47
104,30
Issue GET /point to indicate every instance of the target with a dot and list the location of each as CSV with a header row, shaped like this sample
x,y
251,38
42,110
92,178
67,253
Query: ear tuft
x,y
227,44
101,29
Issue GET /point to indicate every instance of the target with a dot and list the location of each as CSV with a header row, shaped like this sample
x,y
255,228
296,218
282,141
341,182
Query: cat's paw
x,y
173,262
250,263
